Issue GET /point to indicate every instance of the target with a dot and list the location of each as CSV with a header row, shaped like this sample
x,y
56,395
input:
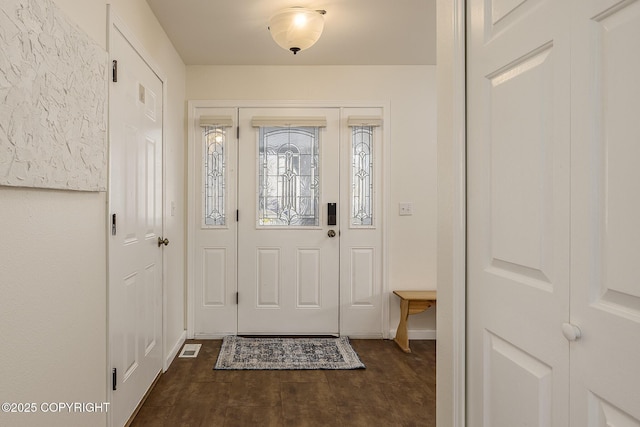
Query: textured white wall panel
x,y
53,92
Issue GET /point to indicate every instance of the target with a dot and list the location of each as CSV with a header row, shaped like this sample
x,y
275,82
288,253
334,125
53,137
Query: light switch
x,y
405,208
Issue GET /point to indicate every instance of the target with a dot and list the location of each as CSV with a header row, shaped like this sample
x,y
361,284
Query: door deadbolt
x,y
332,217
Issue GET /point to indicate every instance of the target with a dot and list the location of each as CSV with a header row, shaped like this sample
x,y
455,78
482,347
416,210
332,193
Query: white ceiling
x,y
356,32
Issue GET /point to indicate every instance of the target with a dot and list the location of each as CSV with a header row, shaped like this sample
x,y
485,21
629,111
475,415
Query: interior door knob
x,y
162,241
571,332
331,233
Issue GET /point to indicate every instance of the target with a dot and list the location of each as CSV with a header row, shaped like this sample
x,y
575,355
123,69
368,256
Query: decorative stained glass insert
x,y
214,175
362,175
288,177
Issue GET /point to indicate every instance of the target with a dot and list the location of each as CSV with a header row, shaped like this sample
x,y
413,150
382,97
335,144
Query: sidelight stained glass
x,y
288,176
362,176
214,175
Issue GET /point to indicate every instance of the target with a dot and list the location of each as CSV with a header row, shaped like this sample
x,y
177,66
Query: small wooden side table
x,y
411,302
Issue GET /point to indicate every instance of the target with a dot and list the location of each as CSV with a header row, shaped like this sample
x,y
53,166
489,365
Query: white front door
x,y
288,254
605,205
135,208
518,213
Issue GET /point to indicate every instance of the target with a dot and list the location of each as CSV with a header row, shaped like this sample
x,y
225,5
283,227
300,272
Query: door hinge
x,y
115,70
237,215
114,378
113,225
237,297
237,132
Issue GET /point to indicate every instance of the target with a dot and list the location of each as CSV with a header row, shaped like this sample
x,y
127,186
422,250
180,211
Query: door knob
x,y
571,332
162,241
331,233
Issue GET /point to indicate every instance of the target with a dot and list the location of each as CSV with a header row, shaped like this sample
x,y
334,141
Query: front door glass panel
x,y
288,177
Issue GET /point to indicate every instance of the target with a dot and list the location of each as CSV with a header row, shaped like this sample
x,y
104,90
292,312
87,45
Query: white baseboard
x,y
362,336
417,334
174,351
414,334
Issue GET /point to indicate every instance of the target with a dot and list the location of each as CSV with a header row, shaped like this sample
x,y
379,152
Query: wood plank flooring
x,y
396,389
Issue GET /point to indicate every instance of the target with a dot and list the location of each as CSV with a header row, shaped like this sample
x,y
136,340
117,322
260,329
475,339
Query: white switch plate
x,y
405,208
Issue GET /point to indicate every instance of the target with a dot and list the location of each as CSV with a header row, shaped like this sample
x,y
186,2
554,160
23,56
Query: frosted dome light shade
x,y
296,28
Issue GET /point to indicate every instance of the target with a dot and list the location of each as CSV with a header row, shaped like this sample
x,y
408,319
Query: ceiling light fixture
x,y
296,28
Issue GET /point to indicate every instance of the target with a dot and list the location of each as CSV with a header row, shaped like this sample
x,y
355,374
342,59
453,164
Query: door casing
x,y
193,107
451,265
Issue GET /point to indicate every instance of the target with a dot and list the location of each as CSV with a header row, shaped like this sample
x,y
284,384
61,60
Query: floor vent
x,y
190,350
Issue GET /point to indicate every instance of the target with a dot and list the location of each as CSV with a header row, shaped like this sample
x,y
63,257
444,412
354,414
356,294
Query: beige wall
x,y
53,300
410,91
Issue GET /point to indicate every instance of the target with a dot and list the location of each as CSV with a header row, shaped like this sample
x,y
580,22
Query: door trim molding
x,y
193,105
460,216
451,314
114,21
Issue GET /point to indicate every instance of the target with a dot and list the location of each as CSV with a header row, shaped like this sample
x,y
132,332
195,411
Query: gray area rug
x,y
287,353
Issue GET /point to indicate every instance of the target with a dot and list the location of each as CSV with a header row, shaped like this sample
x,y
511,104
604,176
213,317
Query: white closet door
x,y
605,185
518,212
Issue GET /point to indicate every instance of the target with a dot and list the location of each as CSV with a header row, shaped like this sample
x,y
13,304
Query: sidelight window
x,y
214,137
362,175
362,170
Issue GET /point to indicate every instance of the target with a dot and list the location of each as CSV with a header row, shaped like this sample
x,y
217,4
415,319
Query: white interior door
x,y
288,255
605,184
518,212
135,199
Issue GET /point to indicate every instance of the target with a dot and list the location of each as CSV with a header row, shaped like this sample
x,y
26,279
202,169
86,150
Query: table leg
x,y
402,337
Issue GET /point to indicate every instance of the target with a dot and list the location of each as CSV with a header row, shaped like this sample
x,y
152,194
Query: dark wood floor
x,y
396,389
